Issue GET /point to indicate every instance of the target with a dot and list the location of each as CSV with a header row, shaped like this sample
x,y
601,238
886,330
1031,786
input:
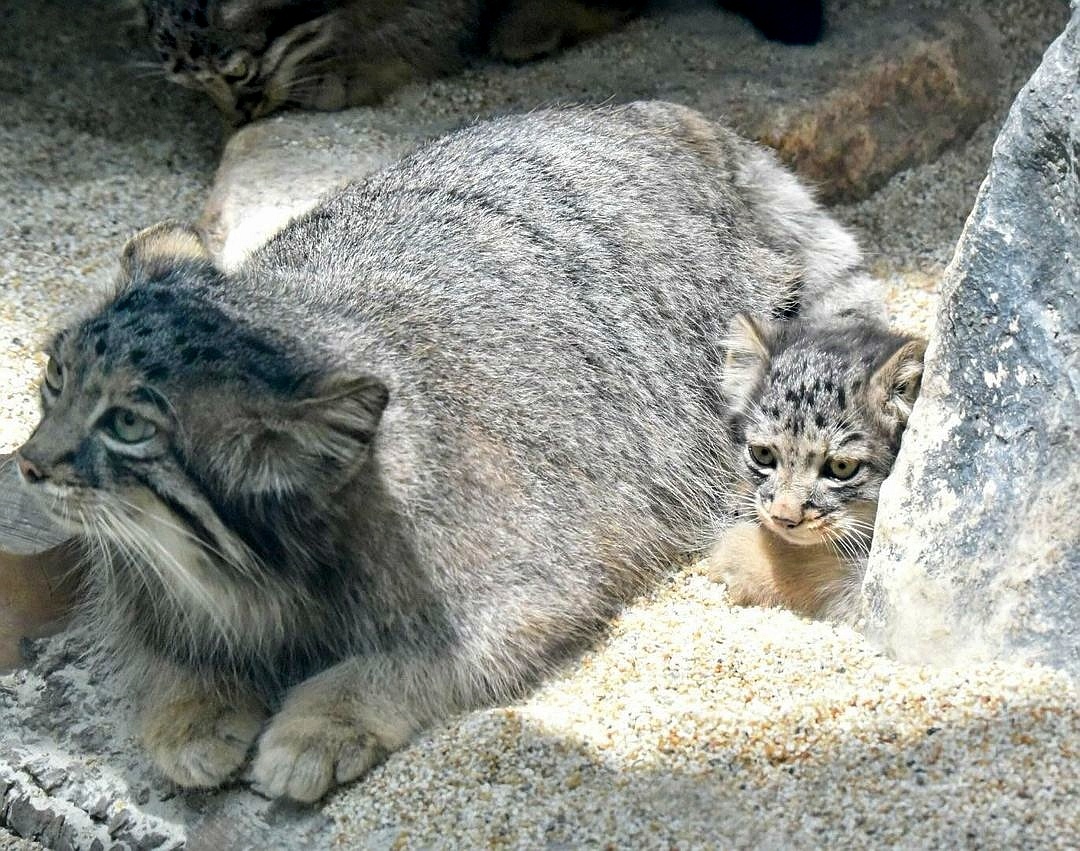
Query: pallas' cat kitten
x,y
818,410
423,444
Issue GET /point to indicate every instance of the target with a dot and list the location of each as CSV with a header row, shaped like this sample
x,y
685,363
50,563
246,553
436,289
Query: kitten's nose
x,y
30,471
786,514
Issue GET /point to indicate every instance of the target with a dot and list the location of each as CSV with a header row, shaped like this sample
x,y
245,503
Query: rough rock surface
x,y
977,550
885,90
24,530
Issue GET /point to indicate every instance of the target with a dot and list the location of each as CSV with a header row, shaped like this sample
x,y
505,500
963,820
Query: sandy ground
x,y
696,725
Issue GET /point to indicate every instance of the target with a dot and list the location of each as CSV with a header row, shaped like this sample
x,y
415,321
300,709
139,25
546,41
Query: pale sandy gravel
x,y
700,726
695,725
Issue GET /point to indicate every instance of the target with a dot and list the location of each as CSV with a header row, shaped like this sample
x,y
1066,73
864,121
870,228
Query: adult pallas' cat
x,y
818,409
425,442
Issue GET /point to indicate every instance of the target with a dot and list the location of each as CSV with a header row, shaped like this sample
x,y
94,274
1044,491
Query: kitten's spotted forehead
x,y
808,391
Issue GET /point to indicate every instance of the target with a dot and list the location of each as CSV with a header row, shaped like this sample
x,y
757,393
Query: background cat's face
x,y
248,66
820,414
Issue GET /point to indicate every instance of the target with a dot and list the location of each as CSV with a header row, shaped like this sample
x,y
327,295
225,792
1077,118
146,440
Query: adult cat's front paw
x,y
304,757
198,742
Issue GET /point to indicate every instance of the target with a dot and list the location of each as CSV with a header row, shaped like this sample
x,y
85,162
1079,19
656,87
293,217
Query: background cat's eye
x,y
841,468
128,427
762,455
54,375
236,67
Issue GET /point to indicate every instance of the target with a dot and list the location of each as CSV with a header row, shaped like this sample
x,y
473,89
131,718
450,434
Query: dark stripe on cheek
x,y
187,517
235,522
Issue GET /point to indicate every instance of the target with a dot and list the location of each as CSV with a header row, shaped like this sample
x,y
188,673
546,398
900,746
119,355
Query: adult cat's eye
x,y
762,455
128,427
54,375
841,468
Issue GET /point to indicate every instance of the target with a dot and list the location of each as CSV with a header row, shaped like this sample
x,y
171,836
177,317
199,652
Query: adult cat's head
x,y
819,410
168,416
250,56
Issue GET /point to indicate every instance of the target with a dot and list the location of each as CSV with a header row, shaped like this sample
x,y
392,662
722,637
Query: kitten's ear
x,y
321,439
747,345
160,248
895,386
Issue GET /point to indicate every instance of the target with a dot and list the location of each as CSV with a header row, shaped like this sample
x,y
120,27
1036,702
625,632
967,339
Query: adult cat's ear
x,y
317,440
159,249
895,386
747,345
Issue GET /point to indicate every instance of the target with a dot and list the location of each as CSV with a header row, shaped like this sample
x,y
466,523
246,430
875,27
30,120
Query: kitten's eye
x,y
128,427
841,468
762,455
54,375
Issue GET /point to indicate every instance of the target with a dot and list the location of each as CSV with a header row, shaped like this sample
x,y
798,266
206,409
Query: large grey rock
x,y
977,550
885,90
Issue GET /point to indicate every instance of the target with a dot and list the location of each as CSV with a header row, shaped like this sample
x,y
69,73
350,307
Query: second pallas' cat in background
x,y
818,409
253,57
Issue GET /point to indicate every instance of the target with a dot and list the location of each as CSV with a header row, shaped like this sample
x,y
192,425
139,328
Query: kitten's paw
x,y
200,743
739,561
740,591
303,758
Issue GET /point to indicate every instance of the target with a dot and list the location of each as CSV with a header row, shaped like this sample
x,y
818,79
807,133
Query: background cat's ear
x,y
747,344
320,439
159,249
895,386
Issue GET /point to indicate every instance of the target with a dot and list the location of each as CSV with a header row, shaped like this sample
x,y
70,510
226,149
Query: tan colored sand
x,y
698,725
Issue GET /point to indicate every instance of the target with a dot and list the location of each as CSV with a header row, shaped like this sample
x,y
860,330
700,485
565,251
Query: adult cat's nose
x,y
29,470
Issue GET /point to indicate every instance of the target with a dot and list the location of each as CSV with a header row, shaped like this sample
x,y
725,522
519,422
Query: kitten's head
x,y
175,427
251,58
819,410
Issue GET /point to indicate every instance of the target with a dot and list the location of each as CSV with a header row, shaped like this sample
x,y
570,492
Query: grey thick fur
x,y
433,434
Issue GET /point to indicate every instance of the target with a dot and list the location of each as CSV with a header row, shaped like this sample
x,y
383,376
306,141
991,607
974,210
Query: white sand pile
x,y
696,725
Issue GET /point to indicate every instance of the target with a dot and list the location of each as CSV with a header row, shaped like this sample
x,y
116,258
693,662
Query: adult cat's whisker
x,y
186,533
149,549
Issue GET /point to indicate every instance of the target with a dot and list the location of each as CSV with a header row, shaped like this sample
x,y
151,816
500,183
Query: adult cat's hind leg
x,y
197,737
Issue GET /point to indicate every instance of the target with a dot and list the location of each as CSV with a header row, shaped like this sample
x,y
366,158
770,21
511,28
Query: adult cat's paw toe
x,y
201,749
303,758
